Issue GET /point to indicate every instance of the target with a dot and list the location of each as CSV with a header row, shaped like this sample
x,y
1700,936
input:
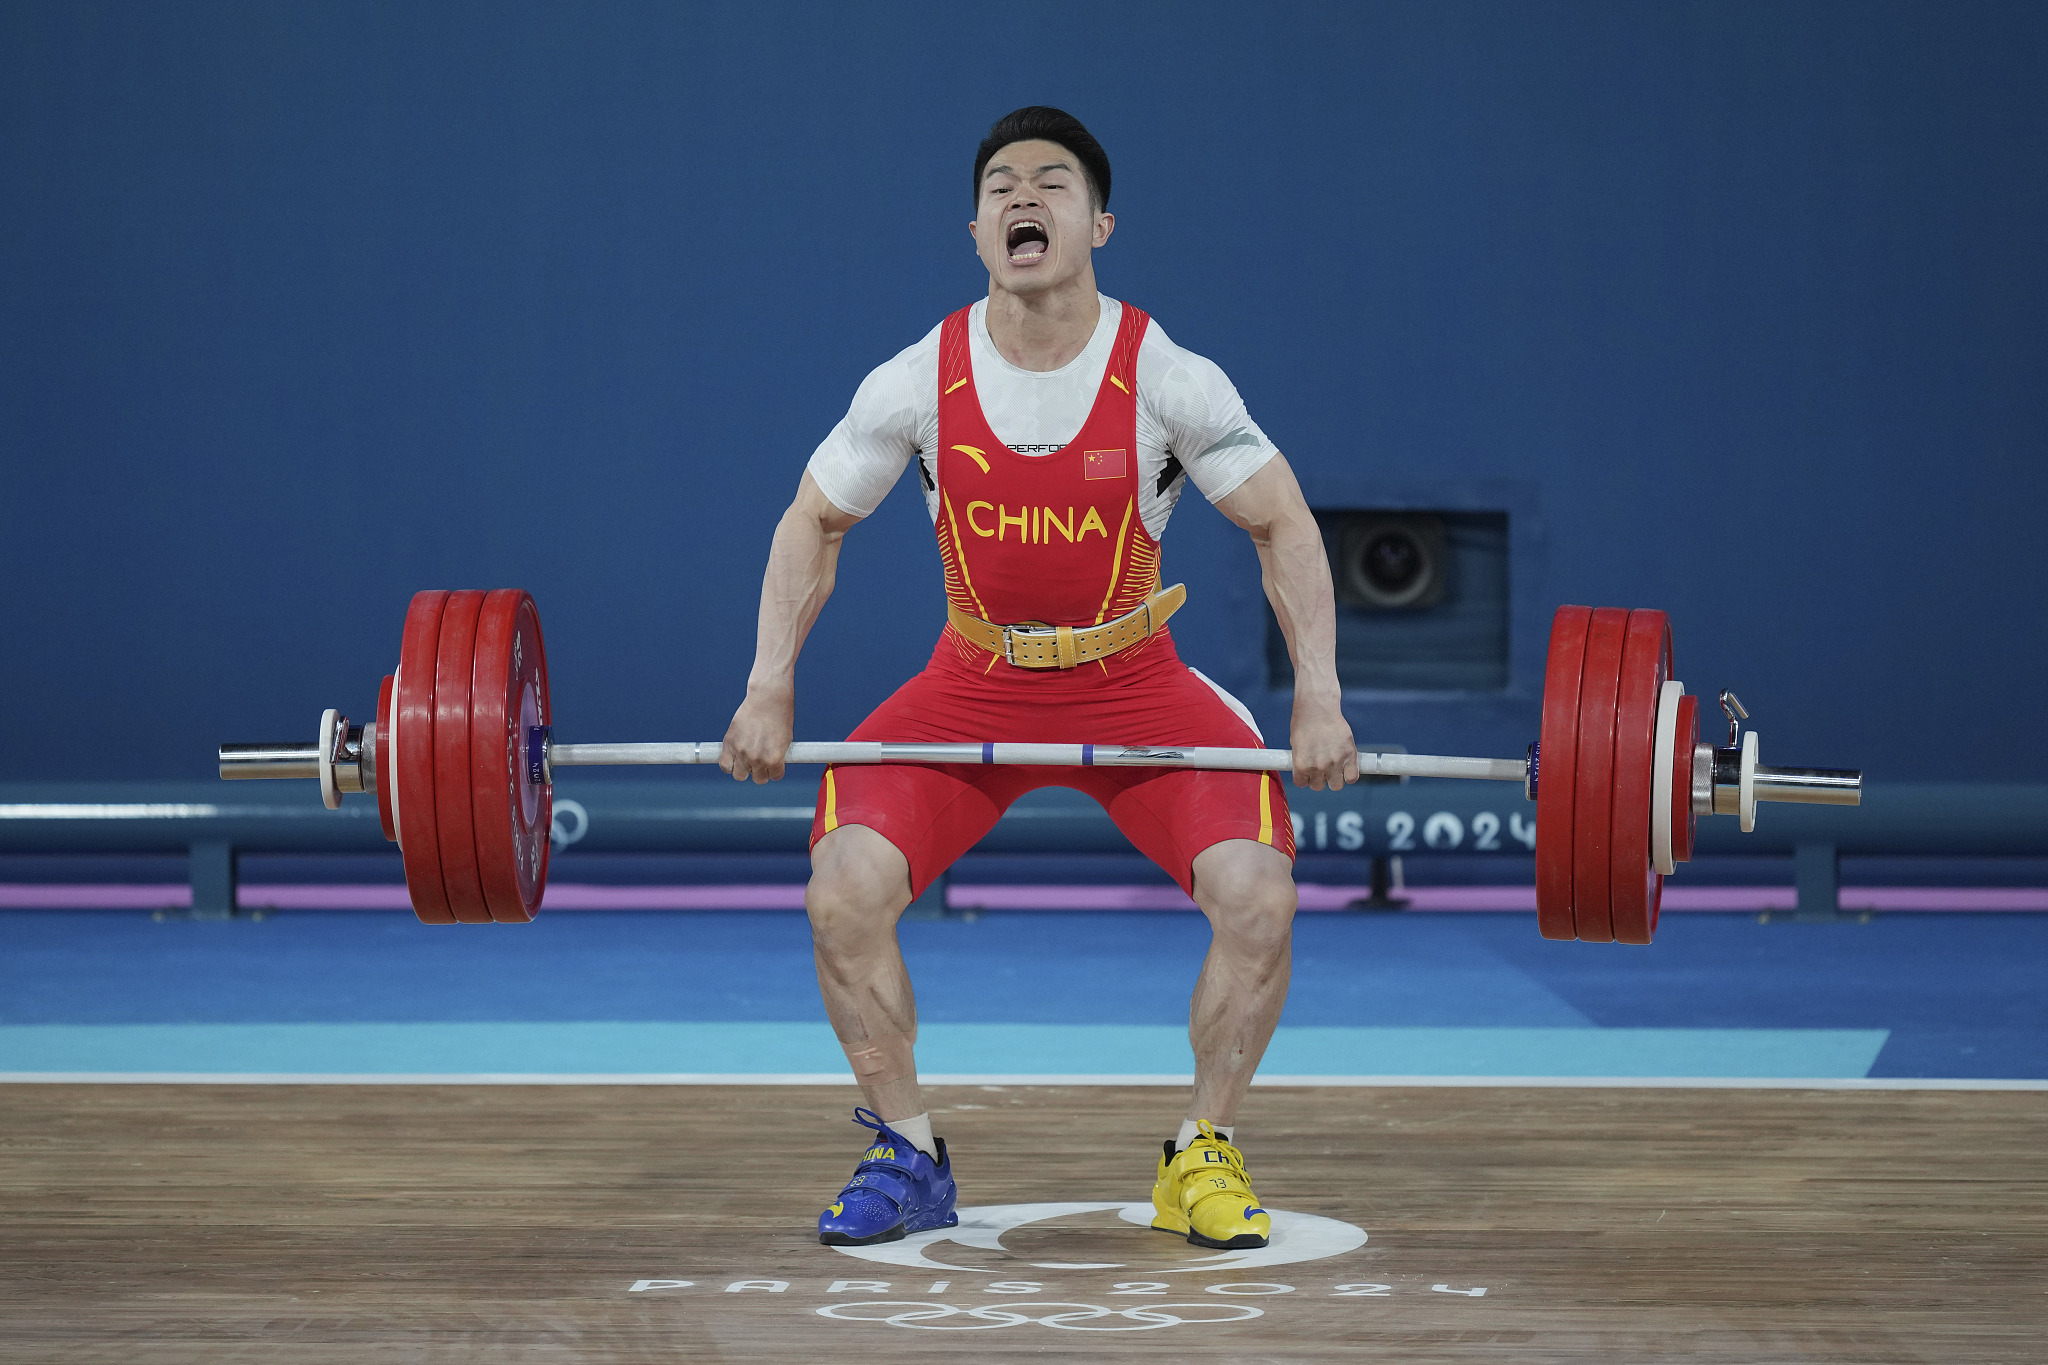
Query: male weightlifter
x,y
1054,430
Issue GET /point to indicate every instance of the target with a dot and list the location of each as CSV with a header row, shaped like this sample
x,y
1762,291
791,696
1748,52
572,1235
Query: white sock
x,y
1189,1132
919,1131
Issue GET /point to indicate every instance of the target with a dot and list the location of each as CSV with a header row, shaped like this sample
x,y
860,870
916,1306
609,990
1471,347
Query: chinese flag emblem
x,y
1103,464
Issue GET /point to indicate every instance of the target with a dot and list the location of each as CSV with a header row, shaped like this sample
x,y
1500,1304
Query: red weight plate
x,y
1557,765
1634,885
412,758
1593,801
383,760
453,665
508,695
1682,817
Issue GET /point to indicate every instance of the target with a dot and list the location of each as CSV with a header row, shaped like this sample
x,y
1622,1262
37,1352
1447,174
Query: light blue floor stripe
x,y
1014,1049
1817,1053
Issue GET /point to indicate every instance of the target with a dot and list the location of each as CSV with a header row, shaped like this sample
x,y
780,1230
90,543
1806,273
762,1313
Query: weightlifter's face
x,y
1037,222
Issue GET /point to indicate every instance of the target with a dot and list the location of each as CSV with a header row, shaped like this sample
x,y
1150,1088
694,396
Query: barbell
x,y
461,758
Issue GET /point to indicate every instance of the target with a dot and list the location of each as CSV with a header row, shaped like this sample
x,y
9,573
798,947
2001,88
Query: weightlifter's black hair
x,y
1043,123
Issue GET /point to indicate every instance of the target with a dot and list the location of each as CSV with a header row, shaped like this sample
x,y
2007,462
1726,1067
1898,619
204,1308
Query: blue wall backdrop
x,y
1739,309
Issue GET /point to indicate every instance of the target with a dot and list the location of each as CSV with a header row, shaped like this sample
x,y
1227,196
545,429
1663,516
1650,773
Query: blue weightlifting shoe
x,y
896,1190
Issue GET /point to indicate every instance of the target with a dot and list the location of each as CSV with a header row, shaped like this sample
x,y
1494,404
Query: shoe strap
x,y
1227,1156
1198,1187
1203,1178
905,1158
883,1180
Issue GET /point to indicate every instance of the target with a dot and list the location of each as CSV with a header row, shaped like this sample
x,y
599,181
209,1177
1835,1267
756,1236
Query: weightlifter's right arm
x,y
801,563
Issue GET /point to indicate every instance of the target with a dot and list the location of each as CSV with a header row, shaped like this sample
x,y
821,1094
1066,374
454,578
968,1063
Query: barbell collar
x,y
353,757
1727,780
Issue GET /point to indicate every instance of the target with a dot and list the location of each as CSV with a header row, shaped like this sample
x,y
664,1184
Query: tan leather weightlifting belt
x,y
1036,646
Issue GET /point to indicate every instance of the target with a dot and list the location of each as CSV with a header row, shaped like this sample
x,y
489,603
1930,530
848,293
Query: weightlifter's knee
x,y
860,883
1247,891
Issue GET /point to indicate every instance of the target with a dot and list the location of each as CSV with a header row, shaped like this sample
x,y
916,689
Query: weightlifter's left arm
x,y
1296,573
802,562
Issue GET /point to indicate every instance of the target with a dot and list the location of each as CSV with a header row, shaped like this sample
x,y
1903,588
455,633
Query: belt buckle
x,y
1010,634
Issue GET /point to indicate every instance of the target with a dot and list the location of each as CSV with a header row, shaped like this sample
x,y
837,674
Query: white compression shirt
x,y
1191,422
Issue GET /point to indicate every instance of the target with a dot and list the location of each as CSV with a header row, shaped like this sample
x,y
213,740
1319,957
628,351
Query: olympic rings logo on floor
x,y
1072,1317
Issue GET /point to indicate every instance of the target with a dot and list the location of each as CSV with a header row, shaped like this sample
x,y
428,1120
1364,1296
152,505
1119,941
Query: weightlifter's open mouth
x,y
1026,242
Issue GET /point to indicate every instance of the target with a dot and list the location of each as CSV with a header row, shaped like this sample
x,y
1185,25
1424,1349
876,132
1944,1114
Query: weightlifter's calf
x,y
860,886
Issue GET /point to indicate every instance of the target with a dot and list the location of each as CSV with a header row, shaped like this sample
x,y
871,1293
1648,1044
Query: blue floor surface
x,y
1936,996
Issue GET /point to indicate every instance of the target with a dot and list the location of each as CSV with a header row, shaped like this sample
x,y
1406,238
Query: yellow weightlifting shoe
x,y
1203,1193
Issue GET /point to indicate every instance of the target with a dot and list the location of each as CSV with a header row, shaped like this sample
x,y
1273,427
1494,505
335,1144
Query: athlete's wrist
x,y
1318,703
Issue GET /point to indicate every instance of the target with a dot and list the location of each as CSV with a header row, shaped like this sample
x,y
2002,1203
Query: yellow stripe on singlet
x,y
1116,564
1265,806
960,558
832,803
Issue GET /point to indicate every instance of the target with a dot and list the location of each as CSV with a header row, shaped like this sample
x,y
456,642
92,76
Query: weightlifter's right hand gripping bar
x,y
461,758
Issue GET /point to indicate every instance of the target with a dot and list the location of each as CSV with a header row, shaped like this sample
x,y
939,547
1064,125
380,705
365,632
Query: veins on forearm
x,y
1296,577
803,561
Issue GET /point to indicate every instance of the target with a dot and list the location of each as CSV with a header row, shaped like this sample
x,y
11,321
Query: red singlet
x,y
1053,540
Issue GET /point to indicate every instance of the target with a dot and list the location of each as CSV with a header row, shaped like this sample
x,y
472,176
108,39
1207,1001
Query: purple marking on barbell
x,y
988,753
1087,755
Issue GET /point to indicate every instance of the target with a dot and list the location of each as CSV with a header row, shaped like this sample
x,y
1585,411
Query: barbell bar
x,y
1036,756
461,758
